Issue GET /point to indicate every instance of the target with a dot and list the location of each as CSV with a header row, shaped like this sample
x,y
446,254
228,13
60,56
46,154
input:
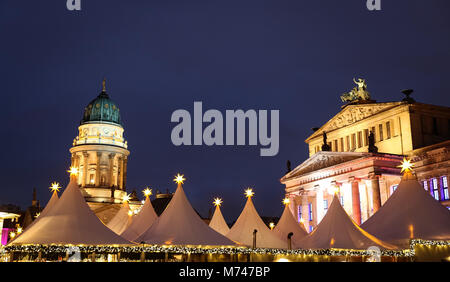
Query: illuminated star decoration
x,y
217,202
130,213
37,215
12,235
179,178
271,225
126,198
249,193
55,187
147,192
406,166
19,229
73,170
286,201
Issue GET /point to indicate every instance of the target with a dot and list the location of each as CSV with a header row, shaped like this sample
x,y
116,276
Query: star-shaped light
x,y
406,165
12,235
147,192
73,170
179,178
130,213
249,193
37,215
271,225
19,229
217,202
55,187
286,201
126,198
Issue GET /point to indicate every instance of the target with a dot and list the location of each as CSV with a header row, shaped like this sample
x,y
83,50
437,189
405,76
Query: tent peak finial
x,y
217,202
179,178
249,192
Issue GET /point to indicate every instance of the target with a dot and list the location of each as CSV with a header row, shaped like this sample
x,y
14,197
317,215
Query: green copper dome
x,y
102,109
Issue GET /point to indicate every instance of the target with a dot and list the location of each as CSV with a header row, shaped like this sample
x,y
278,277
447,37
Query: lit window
x,y
325,205
299,213
310,211
435,188
380,130
393,188
310,229
425,185
444,185
388,130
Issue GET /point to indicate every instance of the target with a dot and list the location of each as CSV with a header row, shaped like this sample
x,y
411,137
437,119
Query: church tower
x,y
100,153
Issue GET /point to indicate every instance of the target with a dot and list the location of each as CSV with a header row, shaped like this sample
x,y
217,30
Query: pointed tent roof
x,y
53,200
70,221
141,222
218,222
179,224
249,220
121,220
410,212
338,231
288,224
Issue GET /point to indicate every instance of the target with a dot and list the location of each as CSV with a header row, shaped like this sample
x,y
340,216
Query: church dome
x,y
101,109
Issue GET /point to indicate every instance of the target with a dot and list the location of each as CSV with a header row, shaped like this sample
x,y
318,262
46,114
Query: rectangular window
x,y
435,188
374,134
425,185
393,188
341,141
335,146
388,130
299,213
360,144
435,126
310,211
325,205
380,129
444,190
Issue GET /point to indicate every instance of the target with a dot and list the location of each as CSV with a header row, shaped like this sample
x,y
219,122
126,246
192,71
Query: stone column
x,y
124,181
85,166
120,173
111,169
97,169
356,202
376,194
305,212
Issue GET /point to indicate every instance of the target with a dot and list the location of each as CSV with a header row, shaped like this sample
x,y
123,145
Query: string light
x,y
286,201
179,178
126,198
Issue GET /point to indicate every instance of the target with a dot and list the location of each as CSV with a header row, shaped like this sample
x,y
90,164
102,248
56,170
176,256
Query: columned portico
x,y
359,177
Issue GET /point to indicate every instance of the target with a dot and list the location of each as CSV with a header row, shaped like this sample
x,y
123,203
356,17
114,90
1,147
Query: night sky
x,y
158,56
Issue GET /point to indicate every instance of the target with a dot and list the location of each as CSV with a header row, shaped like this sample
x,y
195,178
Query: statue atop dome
x,y
358,93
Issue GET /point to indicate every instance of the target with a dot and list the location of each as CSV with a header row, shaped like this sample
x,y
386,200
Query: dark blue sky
x,y
159,56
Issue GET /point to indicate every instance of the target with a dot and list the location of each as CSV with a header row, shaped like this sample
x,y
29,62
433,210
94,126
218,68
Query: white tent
x,y
179,224
410,212
338,231
51,203
288,224
122,219
248,221
70,221
218,222
141,222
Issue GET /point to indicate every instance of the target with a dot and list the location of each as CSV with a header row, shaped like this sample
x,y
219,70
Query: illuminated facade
x,y
366,172
100,153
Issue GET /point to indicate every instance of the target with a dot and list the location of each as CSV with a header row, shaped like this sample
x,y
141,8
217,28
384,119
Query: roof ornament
x,y
104,85
358,93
